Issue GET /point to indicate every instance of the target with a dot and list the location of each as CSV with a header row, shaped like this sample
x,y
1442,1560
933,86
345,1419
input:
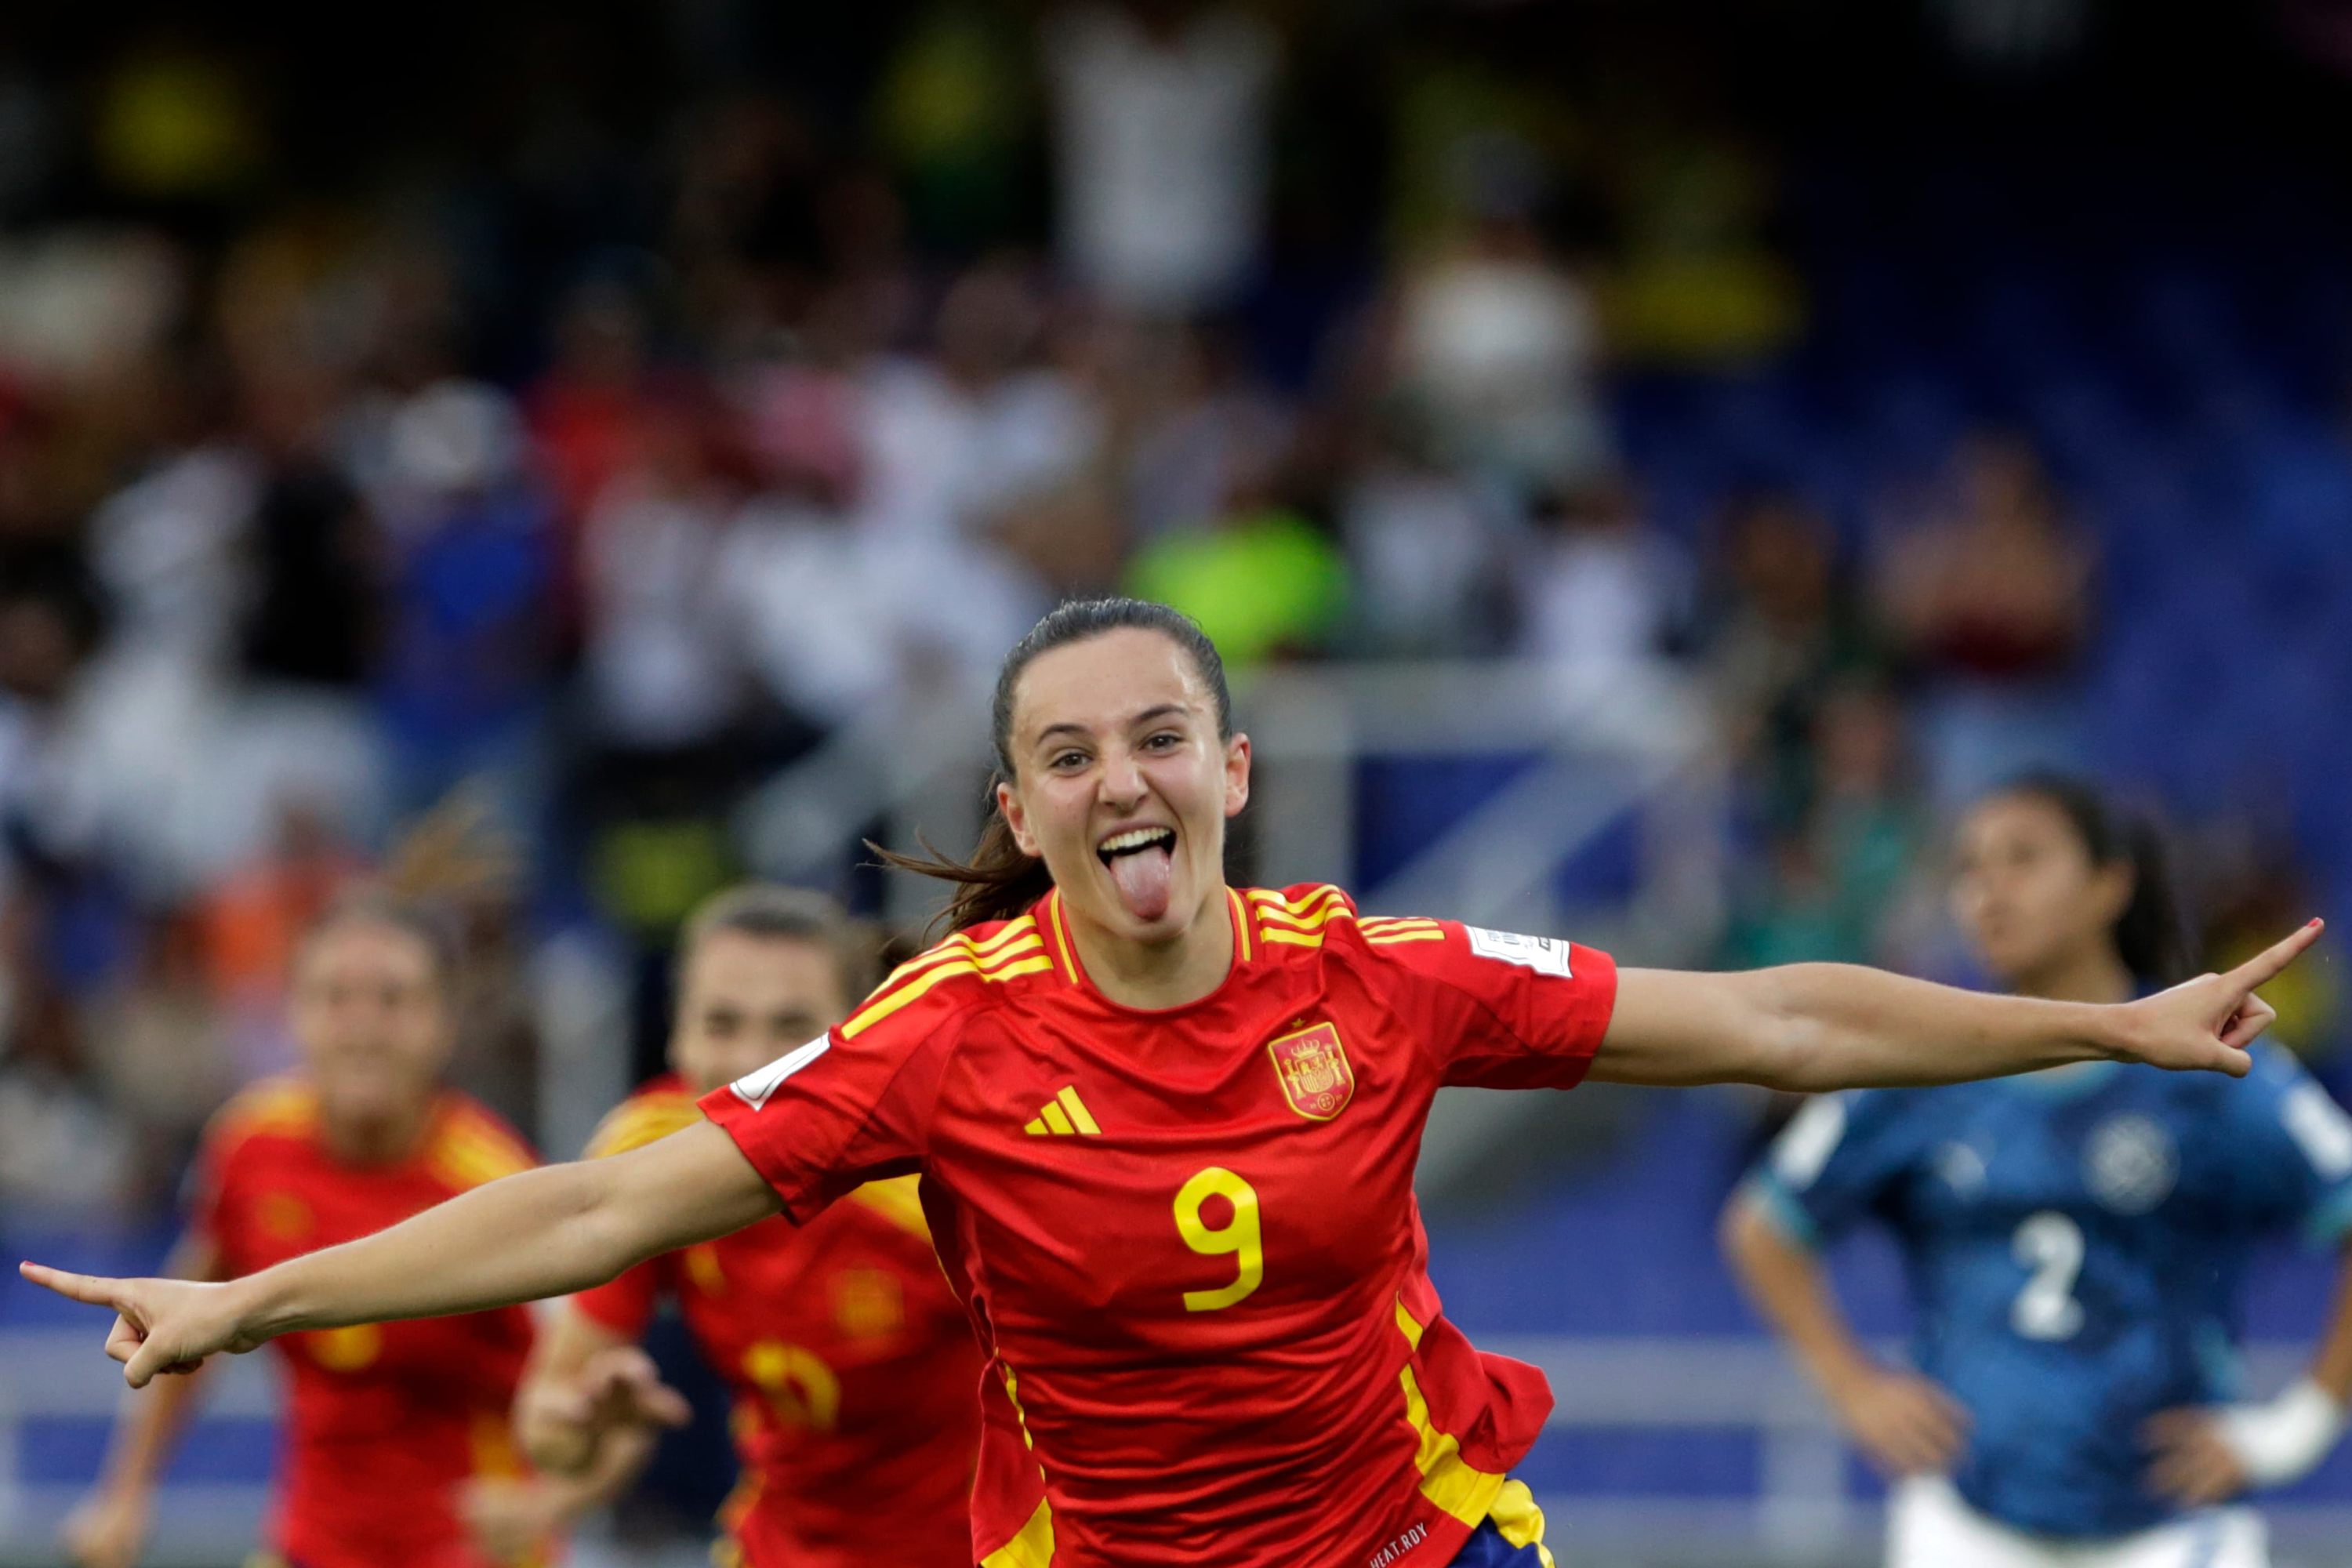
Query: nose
x,y
1122,779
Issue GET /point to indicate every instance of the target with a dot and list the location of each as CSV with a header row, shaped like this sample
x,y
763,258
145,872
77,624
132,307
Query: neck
x,y
375,1141
1160,974
2094,975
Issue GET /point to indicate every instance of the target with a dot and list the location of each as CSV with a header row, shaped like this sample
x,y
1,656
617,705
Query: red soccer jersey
x,y
853,1368
1189,1237
384,1423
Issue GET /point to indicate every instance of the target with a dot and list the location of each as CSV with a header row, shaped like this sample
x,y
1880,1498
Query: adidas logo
x,y
1063,1116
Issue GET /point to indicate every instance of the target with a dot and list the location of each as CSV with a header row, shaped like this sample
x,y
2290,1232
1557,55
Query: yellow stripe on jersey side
x,y
1016,962
1033,1548
1447,1479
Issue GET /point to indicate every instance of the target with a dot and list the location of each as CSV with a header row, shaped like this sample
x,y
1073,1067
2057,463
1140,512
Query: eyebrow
x,y
1148,716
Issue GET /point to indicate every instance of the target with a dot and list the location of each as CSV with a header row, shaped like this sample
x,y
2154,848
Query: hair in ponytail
x,y
1000,881
2150,936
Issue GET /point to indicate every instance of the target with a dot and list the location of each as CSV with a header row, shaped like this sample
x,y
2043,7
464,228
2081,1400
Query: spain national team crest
x,y
1313,1067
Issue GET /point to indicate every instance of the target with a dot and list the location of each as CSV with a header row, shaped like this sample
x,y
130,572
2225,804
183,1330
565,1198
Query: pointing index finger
x,y
2265,965
78,1287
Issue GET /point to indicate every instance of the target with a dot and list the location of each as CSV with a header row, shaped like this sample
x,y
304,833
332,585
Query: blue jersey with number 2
x,y
2074,1241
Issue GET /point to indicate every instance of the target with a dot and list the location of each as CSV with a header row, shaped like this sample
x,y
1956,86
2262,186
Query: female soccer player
x,y
2075,1239
396,1452
1166,1129
852,1364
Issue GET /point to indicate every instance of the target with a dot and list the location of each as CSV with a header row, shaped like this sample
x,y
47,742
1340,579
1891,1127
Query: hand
x,y
2208,1022
107,1530
2194,1466
161,1325
1905,1424
563,1421
511,1518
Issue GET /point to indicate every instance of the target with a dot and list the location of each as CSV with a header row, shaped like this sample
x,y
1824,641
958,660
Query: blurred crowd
x,y
497,521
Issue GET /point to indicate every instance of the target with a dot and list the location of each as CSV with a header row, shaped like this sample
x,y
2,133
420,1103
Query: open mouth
x,y
1142,861
1135,841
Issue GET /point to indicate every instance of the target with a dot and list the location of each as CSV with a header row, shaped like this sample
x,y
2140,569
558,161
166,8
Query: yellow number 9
x,y
1241,1237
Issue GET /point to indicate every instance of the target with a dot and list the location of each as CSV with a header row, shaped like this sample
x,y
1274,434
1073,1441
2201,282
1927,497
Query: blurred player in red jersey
x,y
853,1367
396,1452
1167,1129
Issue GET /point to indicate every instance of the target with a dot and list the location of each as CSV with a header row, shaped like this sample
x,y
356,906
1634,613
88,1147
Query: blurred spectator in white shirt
x,y
1428,546
660,671
1498,343
1162,128
1601,593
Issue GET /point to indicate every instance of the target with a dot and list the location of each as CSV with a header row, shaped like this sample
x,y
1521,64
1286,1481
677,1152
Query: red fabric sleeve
x,y
624,1305
1504,1011
853,1104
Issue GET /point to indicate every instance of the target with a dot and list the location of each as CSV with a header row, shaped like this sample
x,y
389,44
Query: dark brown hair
x,y
773,913
2150,936
432,927
1000,881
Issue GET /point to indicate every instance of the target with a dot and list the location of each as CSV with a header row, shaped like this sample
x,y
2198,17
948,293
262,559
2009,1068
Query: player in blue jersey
x,y
2074,1240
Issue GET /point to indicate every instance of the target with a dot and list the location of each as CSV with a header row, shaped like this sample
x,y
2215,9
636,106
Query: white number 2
x,y
2051,1246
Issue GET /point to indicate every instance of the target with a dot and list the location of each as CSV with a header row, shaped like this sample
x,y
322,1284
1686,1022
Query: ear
x,y
1016,817
1237,775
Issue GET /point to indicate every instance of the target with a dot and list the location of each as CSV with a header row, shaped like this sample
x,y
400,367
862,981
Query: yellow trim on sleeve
x,y
1391,938
1295,939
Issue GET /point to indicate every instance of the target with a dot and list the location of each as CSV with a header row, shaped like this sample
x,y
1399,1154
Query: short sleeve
x,y
853,1105
1836,1161
2289,1151
1501,1010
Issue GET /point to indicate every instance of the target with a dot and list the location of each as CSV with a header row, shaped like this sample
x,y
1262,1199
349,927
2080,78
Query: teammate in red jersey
x,y
1166,1132
852,1365
397,1453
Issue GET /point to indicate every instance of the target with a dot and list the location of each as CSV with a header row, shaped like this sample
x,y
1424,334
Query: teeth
x,y
1134,839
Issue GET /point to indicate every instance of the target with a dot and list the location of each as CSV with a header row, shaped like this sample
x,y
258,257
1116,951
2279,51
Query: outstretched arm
x,y
1907,1425
1816,1026
541,1233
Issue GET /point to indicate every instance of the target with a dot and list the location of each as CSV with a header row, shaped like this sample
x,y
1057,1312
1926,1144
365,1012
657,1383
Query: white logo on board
x,y
2130,1163
754,1088
1544,954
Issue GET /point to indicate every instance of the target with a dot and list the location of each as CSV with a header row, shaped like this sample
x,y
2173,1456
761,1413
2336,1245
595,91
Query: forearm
x,y
1820,1026
541,1233
1788,1289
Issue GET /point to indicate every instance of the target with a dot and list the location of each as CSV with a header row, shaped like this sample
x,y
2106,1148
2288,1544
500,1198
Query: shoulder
x,y
652,1113
270,1110
961,975
1307,916
471,1145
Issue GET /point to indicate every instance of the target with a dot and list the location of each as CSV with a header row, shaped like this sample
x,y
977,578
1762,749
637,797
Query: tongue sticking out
x,y
1142,877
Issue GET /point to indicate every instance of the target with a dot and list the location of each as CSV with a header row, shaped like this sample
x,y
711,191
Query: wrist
x,y
264,1305
2283,1439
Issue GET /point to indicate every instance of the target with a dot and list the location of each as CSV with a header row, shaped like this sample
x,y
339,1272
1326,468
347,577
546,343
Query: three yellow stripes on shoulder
x,y
1063,1115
